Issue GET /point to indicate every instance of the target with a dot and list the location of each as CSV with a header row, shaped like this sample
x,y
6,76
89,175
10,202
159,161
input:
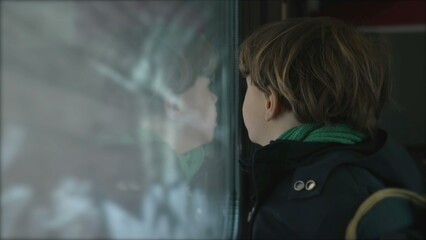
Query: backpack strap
x,y
378,197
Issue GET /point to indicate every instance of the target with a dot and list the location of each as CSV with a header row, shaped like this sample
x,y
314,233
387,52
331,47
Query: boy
x,y
315,90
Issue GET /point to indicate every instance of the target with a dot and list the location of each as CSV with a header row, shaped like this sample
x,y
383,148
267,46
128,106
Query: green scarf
x,y
191,162
315,132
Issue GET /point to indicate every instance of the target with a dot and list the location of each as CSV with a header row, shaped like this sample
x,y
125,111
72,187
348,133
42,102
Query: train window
x,y
118,119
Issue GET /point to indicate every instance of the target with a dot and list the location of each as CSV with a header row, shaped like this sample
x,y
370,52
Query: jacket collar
x,y
275,162
300,161
304,161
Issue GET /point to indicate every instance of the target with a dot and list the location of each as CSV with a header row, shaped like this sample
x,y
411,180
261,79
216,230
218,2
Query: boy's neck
x,y
279,125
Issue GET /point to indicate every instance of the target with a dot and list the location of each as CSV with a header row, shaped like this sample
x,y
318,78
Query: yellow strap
x,y
377,197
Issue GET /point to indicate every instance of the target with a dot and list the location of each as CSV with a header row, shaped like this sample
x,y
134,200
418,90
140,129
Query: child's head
x,y
167,70
322,70
174,73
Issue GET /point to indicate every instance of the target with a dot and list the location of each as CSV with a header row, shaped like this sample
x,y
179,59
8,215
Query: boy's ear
x,y
273,104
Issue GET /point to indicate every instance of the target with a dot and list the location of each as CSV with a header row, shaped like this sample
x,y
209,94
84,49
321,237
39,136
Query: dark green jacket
x,y
312,190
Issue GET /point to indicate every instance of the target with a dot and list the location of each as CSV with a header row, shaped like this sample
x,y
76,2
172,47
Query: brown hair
x,y
324,70
164,55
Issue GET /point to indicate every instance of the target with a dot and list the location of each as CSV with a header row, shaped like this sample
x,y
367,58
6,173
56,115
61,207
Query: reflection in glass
x,y
115,120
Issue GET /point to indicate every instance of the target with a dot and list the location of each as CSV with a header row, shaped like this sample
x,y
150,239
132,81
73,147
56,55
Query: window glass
x,y
118,119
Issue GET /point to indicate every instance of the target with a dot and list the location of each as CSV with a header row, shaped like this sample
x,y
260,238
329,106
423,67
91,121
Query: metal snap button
x,y
311,184
299,185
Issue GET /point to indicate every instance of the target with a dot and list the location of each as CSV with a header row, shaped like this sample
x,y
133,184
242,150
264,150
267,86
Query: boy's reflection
x,y
191,120
170,81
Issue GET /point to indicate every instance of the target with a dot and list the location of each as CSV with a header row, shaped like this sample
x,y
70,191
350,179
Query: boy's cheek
x,y
244,112
248,123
